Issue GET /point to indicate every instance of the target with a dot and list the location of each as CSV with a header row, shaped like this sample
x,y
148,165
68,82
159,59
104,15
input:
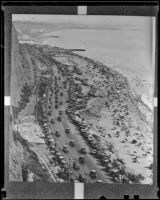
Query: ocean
x,y
126,50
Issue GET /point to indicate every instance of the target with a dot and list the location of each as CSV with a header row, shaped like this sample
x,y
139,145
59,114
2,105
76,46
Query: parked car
x,y
65,149
60,112
59,118
52,121
57,134
45,120
93,144
68,130
93,174
56,106
81,159
93,152
83,150
82,178
60,158
76,166
49,113
71,143
105,162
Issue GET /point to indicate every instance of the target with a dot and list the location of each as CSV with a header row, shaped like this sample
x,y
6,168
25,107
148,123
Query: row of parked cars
x,y
60,159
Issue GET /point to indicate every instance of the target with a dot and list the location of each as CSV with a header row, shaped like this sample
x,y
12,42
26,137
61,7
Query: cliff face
x,y
17,82
26,160
21,68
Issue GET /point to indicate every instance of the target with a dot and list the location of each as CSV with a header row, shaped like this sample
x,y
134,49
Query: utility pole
x,y
17,126
36,98
47,96
56,151
69,169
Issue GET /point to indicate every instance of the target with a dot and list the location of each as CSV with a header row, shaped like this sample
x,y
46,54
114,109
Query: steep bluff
x,y
23,161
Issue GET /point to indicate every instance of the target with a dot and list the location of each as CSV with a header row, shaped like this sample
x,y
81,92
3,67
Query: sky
x,y
117,21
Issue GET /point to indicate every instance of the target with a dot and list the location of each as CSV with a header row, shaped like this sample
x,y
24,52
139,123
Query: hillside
x,y
24,162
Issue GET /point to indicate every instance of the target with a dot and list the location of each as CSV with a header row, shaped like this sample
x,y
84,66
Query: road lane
x,y
90,161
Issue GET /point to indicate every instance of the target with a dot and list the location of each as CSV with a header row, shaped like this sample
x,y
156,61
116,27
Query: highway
x,y
91,163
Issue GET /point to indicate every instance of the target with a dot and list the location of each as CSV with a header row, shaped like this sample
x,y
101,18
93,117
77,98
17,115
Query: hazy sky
x,y
125,21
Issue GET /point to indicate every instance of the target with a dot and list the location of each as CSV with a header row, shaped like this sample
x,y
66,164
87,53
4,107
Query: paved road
x,y
90,161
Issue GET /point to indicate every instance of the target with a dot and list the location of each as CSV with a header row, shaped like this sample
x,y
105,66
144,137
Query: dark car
x,y
56,106
57,134
56,101
93,152
93,174
49,113
52,121
59,118
76,166
68,130
82,178
83,150
65,149
81,159
60,112
71,143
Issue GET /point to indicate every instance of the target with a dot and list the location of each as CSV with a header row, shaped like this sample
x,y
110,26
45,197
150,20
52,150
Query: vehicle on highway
x,y
60,112
93,174
56,101
83,150
82,178
101,155
52,121
60,158
49,113
56,106
64,164
105,162
65,149
49,107
68,130
52,152
45,120
93,144
71,143
83,130
45,125
59,118
93,152
57,134
81,159
58,154
52,148
76,166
